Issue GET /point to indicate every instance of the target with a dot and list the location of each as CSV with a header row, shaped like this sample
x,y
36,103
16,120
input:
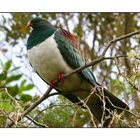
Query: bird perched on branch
x,y
54,52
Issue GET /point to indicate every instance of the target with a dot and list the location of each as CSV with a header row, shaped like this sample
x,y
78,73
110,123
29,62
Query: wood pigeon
x,y
54,52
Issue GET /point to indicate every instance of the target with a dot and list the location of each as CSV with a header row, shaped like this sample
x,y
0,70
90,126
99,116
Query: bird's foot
x,y
52,84
60,76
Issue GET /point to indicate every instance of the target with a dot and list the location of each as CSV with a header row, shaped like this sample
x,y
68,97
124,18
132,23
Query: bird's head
x,y
41,30
38,22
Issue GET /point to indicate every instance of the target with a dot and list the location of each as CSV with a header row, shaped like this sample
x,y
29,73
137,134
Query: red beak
x,y
29,25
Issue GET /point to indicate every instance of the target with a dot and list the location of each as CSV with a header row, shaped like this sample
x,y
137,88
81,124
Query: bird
x,y
53,52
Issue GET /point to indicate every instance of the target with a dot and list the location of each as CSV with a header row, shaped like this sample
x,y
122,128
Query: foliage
x,y
93,31
12,90
62,113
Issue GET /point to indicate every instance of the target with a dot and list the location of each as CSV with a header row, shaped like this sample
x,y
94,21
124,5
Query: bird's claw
x,y
60,76
52,84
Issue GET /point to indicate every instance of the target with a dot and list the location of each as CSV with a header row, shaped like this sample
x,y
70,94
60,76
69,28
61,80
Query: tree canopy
x,y
120,74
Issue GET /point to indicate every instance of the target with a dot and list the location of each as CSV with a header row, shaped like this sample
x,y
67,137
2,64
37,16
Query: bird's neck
x,y
39,35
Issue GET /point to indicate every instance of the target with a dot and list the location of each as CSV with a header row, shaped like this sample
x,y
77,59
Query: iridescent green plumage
x,y
42,31
72,55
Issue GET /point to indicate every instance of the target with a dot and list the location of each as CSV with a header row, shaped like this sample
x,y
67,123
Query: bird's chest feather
x,y
47,61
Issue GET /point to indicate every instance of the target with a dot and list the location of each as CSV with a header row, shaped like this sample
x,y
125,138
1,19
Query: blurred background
x,y
20,86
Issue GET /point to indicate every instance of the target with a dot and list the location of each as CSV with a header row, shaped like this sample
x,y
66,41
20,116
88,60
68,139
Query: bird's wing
x,y
72,53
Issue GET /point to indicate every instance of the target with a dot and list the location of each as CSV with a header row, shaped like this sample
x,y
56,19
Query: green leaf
x,y
28,87
13,90
7,65
6,106
14,69
24,87
25,97
22,83
2,76
2,121
3,95
13,78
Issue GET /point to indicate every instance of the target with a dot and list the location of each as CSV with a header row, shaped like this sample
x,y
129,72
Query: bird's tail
x,y
103,104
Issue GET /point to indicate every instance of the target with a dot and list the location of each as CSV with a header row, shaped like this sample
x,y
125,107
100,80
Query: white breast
x,y
48,62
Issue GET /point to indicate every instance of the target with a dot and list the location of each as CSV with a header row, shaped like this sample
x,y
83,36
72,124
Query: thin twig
x,y
13,99
66,105
122,108
9,118
119,39
34,105
91,114
74,116
35,122
104,105
86,106
37,102
136,88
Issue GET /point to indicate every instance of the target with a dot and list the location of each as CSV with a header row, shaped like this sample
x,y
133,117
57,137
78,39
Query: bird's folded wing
x,y
72,53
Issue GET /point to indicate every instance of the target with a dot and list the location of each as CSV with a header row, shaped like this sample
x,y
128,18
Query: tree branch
x,y
34,105
46,95
94,62
118,39
99,59
35,122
